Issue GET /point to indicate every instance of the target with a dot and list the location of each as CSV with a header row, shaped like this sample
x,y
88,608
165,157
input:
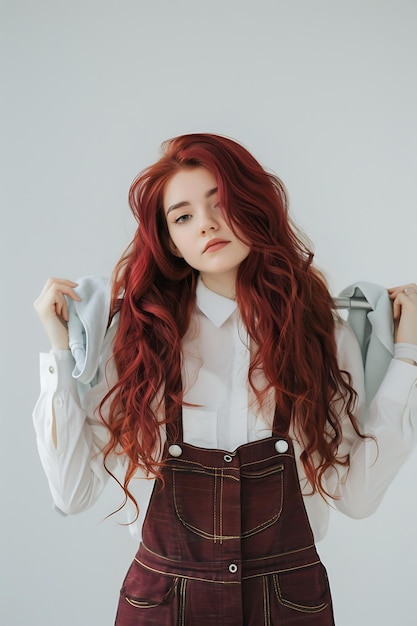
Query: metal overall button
x,y
233,568
228,458
281,446
175,450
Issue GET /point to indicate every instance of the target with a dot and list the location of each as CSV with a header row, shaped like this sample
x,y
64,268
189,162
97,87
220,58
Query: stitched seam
x,y
260,527
183,587
219,535
182,576
212,467
262,473
271,520
221,507
281,554
140,605
202,533
144,604
187,470
198,531
293,605
268,458
282,570
267,604
215,506
199,465
265,558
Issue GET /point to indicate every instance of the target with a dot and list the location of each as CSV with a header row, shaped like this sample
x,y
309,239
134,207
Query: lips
x,y
215,243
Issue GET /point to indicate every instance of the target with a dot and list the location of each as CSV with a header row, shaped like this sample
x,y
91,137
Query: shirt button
x,y
228,458
281,446
51,369
175,450
233,568
59,402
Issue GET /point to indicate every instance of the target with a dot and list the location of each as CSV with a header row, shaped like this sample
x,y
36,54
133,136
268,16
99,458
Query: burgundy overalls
x,y
227,541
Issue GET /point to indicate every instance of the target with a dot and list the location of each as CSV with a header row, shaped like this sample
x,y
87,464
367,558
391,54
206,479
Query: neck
x,y
223,285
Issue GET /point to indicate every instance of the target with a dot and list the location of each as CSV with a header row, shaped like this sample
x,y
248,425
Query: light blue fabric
x,y
87,325
374,331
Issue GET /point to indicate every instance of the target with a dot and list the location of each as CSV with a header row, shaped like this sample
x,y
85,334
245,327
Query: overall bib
x,y
227,541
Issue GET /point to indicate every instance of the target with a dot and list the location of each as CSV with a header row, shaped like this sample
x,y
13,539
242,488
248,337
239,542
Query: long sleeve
x,y
74,468
391,422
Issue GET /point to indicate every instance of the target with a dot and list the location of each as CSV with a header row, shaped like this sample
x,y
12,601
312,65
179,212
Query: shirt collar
x,y
214,306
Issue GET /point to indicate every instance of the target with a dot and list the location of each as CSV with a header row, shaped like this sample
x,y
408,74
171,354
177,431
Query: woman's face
x,y
199,232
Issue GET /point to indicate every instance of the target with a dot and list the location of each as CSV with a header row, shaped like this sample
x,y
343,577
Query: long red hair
x,y
283,300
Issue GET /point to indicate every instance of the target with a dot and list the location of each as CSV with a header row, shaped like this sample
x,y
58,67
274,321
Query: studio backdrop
x,y
323,93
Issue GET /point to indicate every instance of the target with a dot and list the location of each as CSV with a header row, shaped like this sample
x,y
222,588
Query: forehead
x,y
188,185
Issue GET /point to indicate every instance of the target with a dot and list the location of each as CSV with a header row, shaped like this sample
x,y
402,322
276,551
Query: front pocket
x,y
221,504
262,498
144,589
198,495
304,589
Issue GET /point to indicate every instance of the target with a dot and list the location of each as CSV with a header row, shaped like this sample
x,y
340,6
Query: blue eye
x,y
182,219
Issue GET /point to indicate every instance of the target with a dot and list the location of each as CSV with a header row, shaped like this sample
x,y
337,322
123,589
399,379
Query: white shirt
x,y
214,373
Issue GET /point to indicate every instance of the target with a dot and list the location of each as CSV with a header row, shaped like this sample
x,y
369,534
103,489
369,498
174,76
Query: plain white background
x,y
323,92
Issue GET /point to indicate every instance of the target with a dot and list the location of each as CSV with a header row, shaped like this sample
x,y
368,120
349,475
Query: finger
x,y
53,291
53,303
394,291
61,308
405,300
71,294
402,287
407,289
63,285
64,312
397,308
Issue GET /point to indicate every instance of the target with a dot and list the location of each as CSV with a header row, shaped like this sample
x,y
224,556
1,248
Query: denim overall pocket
x,y
147,597
204,499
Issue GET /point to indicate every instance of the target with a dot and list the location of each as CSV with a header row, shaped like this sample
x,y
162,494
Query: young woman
x,y
226,401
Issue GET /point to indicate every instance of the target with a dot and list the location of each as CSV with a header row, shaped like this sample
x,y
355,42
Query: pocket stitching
x,y
220,537
146,604
293,605
271,520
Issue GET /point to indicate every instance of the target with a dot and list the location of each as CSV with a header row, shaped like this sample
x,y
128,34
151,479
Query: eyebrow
x,y
179,205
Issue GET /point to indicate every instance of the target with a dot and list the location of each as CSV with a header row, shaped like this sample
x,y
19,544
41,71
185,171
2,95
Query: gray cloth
x,y
374,331
87,324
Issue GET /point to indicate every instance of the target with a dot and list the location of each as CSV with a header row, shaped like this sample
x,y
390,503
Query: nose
x,y
208,222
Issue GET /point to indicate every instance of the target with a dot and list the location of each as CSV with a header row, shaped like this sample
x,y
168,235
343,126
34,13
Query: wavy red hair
x,y
282,297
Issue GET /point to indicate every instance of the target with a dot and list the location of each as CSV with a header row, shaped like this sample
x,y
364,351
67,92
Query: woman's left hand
x,y
405,312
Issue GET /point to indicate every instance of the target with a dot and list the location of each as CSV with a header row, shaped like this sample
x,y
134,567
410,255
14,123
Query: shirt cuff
x,y
56,370
61,355
405,351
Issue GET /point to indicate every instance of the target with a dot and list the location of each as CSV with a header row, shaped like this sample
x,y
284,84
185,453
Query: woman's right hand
x,y
52,310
